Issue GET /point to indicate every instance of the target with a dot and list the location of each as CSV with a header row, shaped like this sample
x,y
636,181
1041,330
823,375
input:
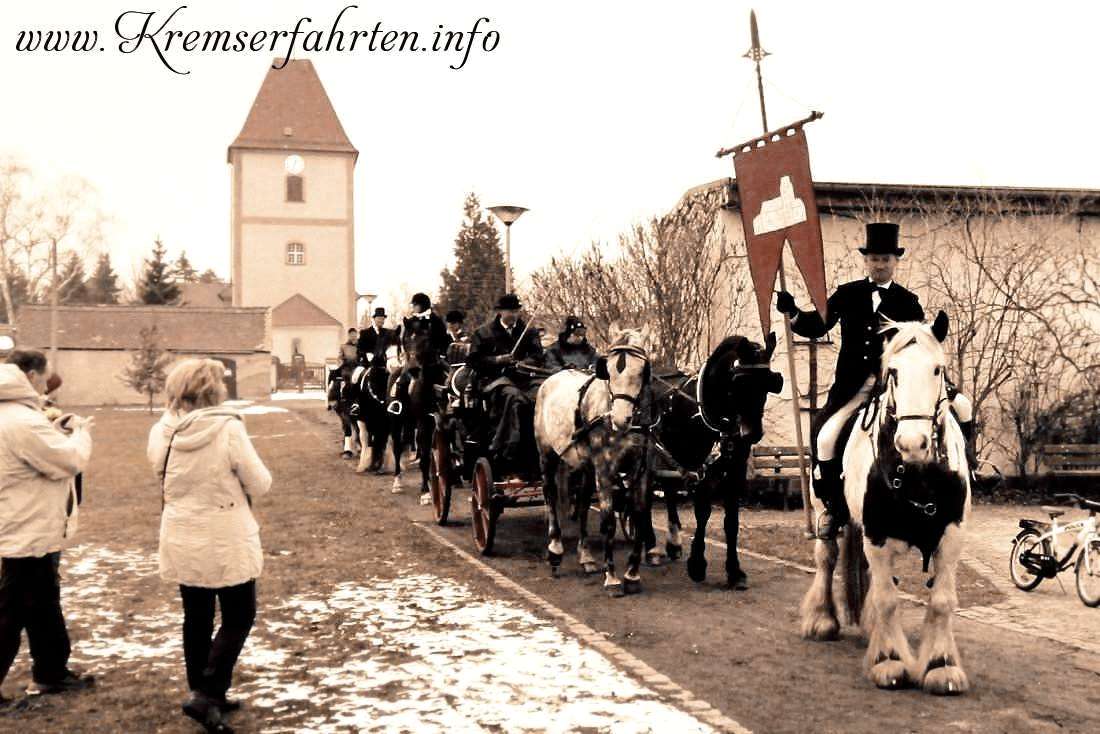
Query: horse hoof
x,y
822,628
555,569
697,569
590,568
654,559
737,582
674,552
615,591
632,586
948,680
425,498
348,455
890,675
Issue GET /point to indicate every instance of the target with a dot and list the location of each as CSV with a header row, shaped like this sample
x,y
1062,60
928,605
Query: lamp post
x,y
507,214
370,300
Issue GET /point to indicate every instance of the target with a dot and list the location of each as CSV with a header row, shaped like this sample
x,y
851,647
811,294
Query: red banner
x,y
778,206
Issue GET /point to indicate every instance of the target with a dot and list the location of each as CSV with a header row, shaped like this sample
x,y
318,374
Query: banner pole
x,y
757,54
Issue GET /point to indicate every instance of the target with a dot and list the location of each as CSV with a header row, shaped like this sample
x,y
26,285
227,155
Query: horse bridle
x,y
634,352
888,386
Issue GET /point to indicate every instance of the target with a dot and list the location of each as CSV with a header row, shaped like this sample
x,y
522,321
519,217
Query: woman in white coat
x,y
209,540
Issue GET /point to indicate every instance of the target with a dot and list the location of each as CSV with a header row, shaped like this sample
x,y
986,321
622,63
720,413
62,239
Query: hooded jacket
x,y
208,536
37,465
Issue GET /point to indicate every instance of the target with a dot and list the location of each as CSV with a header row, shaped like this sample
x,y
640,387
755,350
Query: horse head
x,y
735,385
627,372
914,385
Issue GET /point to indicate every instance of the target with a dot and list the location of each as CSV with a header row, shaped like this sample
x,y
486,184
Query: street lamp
x,y
370,300
507,214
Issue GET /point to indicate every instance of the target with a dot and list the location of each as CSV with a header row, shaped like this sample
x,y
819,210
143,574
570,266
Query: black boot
x,y
967,429
829,488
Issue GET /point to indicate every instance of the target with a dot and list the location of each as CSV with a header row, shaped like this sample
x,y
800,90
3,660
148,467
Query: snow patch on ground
x,y
411,654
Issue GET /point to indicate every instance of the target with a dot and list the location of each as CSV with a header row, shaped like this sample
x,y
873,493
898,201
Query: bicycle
x,y
1035,555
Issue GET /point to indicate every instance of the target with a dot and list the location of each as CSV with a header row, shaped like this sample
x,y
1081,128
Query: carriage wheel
x,y
439,478
481,507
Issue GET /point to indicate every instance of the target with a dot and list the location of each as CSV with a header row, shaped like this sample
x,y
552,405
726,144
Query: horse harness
x,y
582,427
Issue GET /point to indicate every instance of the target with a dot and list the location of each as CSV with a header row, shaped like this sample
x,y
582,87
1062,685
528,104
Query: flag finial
x,y
756,53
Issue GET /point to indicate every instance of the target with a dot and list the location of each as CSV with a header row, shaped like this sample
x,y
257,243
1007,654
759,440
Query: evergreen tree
x,y
209,276
477,279
72,286
148,368
156,287
20,294
103,285
183,269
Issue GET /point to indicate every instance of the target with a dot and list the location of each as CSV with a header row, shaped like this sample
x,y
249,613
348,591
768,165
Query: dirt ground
x,y
328,532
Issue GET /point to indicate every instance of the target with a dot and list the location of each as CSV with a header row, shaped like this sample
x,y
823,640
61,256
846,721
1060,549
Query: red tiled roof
x,y
300,311
205,295
214,330
293,99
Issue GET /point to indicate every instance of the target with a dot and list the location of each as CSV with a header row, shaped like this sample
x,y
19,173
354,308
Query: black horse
x,y
413,401
342,401
723,405
370,390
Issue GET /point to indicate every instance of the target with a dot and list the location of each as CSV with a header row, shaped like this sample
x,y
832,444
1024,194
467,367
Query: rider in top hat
x,y
495,347
858,306
571,351
459,345
374,339
424,322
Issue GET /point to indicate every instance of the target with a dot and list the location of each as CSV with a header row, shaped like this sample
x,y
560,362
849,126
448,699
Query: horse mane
x,y
629,338
907,333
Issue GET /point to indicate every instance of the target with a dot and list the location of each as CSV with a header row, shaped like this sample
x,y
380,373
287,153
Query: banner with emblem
x,y
778,208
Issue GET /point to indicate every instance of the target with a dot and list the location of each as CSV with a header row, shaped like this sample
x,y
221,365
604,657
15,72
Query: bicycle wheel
x,y
1088,574
1027,541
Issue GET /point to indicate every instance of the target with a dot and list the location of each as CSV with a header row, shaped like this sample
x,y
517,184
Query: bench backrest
x,y
777,461
1072,458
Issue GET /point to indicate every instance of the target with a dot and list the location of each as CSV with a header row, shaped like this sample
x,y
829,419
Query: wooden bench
x,y
1072,459
780,464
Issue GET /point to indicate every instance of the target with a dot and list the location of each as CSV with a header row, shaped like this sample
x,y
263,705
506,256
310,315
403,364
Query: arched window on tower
x,y
295,254
295,188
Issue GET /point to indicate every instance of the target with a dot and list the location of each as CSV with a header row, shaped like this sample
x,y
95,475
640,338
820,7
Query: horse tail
x,y
856,574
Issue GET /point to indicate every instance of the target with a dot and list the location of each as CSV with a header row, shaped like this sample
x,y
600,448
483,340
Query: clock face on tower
x,y
294,164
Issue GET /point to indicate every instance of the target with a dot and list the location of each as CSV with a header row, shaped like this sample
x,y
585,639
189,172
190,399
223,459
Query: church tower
x,y
293,222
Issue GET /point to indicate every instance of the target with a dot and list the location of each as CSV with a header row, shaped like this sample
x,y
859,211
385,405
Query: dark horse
x,y
723,405
377,425
413,401
342,401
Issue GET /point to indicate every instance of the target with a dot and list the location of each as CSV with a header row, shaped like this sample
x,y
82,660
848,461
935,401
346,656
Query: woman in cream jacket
x,y
209,540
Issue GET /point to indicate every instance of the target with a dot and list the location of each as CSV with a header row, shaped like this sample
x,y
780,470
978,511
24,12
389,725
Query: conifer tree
x,y
183,269
148,368
71,281
103,285
477,278
209,276
156,286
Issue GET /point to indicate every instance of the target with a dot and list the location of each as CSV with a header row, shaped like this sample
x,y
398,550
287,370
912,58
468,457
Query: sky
x,y
593,115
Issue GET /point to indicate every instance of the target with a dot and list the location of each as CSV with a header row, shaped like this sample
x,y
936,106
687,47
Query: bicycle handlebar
x,y
1082,503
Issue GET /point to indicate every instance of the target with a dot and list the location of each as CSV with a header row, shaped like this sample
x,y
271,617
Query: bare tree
x,y
667,273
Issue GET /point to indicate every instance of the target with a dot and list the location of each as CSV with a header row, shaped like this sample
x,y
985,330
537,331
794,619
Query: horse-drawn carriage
x,y
460,456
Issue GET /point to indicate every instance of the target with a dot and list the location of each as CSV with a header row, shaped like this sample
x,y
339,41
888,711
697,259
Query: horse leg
x,y
364,448
888,656
398,443
818,610
605,488
640,507
551,476
584,502
697,561
423,450
674,546
939,667
735,577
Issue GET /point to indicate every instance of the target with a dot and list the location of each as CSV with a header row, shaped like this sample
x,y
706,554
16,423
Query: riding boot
x,y
967,428
829,488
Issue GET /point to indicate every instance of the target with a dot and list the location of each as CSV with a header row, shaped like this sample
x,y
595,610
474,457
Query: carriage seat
x,y
1053,511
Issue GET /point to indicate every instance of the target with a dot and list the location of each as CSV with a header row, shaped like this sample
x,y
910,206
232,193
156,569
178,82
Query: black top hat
x,y
379,312
455,317
508,302
882,239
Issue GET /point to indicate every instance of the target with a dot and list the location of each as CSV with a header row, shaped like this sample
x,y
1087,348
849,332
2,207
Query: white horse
x,y
584,423
907,485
